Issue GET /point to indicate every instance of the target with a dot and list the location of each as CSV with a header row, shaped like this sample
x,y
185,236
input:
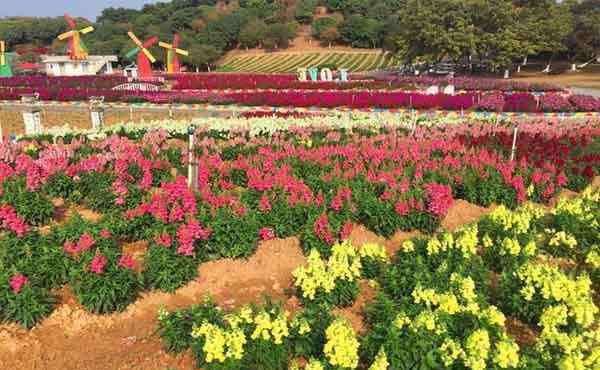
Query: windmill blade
x,y
70,21
132,52
165,45
151,41
2,59
66,35
135,39
176,40
182,52
2,47
86,30
150,56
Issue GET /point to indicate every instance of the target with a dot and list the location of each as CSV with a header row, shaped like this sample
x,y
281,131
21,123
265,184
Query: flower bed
x,y
436,304
316,183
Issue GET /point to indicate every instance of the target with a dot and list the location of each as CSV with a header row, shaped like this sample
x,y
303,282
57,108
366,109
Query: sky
x,y
81,8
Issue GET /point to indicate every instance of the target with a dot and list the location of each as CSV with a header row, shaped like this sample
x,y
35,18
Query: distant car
x,y
442,69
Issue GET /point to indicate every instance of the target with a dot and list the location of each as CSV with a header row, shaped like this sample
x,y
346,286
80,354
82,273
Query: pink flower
x,y
163,239
264,204
127,261
11,221
70,247
402,208
17,282
439,198
119,201
105,234
98,264
86,241
266,233
346,230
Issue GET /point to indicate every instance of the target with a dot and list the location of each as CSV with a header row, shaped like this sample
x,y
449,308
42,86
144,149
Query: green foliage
x,y
112,290
27,307
94,189
232,235
33,206
175,327
39,258
166,270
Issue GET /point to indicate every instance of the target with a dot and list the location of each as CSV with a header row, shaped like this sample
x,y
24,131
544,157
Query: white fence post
x,y
192,163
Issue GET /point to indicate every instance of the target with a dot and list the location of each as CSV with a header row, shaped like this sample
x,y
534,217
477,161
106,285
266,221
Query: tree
x,y
305,10
278,35
253,33
361,32
202,55
329,35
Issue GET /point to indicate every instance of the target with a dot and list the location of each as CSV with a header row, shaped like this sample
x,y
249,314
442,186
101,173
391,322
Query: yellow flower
x,y
374,251
341,348
314,365
451,351
507,354
408,246
477,348
381,362
401,320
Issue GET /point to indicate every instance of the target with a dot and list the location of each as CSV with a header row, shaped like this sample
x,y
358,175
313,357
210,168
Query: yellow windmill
x,y
5,61
173,65
77,49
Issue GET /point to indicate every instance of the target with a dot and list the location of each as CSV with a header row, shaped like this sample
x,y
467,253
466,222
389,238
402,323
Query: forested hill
x,y
498,32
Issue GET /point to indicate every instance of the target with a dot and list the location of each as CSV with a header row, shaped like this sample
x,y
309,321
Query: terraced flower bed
x,y
103,223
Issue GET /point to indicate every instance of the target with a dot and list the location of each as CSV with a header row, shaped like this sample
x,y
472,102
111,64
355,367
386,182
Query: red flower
x,y
266,233
439,198
346,230
105,234
17,282
126,261
163,239
98,264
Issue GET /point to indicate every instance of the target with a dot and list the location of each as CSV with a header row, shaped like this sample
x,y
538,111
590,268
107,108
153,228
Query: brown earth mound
x,y
72,338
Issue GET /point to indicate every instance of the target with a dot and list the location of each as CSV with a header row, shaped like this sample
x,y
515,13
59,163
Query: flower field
x,y
284,90
96,223
286,63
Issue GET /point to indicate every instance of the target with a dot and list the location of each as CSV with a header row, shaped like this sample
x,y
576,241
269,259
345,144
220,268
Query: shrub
x,y
175,327
22,302
166,270
333,282
232,235
33,206
102,284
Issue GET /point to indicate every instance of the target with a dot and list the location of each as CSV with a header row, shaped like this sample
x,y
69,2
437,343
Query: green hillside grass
x,y
285,62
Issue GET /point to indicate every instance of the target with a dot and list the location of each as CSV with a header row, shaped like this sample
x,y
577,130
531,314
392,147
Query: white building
x,y
63,65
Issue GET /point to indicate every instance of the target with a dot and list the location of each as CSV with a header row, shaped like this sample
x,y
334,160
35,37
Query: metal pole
x,y
192,163
514,143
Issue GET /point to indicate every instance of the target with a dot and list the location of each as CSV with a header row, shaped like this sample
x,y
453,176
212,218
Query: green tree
x,y
361,32
305,10
202,56
253,33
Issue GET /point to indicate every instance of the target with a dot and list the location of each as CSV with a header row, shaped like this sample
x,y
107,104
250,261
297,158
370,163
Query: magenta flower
x,y
127,261
266,233
98,264
17,282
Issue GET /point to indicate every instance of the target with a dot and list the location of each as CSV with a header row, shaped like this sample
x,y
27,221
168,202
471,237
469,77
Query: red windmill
x,y
173,65
144,57
77,49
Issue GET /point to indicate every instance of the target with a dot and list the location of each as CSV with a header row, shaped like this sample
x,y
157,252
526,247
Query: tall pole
x,y
514,143
192,163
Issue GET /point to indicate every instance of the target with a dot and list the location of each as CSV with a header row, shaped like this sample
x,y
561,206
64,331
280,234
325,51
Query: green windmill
x,y
5,61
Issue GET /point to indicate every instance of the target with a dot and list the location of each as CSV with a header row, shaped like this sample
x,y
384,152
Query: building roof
x,y
67,59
